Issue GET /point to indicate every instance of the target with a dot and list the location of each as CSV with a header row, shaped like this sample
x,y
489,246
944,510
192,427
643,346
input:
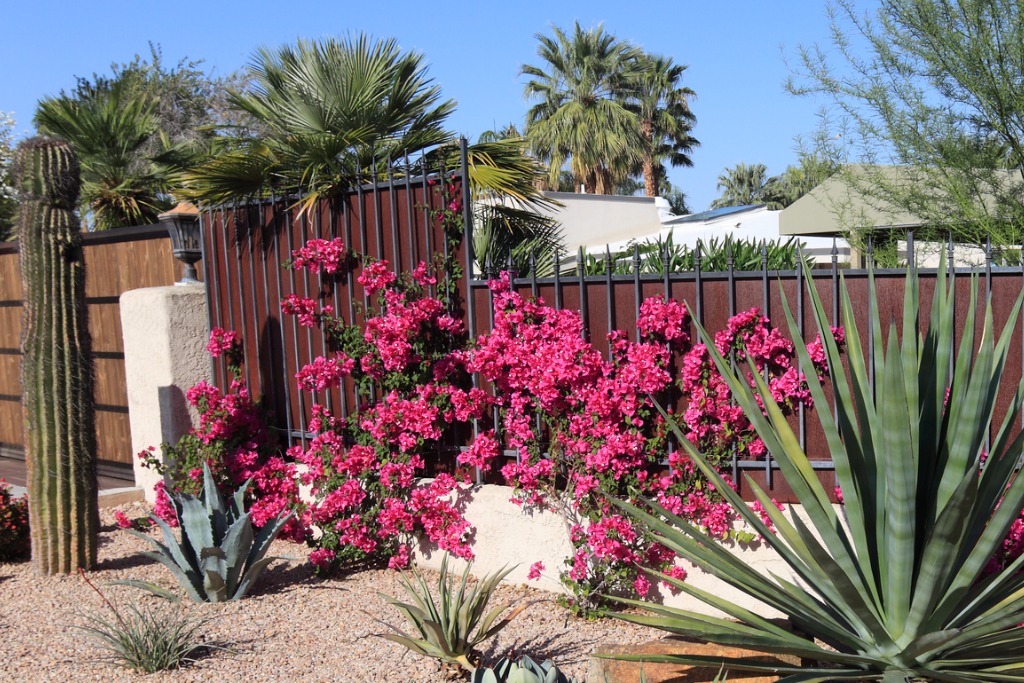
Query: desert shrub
x,y
145,639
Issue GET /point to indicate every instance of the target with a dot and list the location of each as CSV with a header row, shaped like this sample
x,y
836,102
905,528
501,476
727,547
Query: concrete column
x,y
165,334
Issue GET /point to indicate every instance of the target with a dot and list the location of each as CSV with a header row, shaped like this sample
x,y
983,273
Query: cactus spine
x,y
56,370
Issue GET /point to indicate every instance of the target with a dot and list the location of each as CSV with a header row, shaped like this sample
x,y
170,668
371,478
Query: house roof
x,y
838,205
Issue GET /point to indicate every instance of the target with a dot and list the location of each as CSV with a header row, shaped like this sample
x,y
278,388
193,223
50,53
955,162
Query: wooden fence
x,y
115,262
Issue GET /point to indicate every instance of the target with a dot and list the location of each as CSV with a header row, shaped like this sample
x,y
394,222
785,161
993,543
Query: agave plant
x,y
451,626
522,670
900,592
220,556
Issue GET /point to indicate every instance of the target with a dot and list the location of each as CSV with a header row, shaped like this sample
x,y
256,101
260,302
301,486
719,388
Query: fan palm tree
x,y
110,129
580,117
335,112
662,107
742,185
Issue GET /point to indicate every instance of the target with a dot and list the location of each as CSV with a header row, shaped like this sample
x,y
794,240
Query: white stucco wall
x,y
506,534
165,334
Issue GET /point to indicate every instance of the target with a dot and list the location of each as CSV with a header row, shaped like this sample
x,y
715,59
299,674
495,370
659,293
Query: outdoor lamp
x,y
183,226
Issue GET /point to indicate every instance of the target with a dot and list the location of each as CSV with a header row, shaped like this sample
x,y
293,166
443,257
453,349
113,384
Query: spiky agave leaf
x,y
899,592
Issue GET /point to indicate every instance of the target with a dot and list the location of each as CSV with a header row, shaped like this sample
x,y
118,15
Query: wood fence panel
x,y
115,262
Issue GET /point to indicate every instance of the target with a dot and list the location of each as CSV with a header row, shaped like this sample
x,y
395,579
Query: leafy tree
x,y
741,185
132,130
782,190
661,104
8,199
936,88
580,118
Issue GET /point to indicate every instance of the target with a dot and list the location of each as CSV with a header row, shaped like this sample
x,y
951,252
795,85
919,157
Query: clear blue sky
x,y
735,52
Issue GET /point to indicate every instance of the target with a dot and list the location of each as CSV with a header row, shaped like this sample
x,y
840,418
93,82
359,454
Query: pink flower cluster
x,y
574,414
369,498
329,256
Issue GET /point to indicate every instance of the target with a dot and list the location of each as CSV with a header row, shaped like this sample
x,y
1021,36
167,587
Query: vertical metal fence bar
x,y
414,254
273,377
801,415
241,290
533,273
731,281
582,281
252,294
698,284
227,293
207,227
320,294
610,295
665,262
394,220
637,290
301,421
280,297
766,311
427,242
558,282
835,309
871,318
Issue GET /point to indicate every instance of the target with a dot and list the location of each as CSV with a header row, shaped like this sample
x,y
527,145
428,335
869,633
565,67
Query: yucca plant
x,y
450,626
900,592
145,639
522,670
220,556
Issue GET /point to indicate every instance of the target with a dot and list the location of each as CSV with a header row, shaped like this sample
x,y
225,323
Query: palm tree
x,y
334,113
742,185
110,129
580,117
663,109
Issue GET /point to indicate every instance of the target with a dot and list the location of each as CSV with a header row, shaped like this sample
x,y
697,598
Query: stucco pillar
x,y
165,334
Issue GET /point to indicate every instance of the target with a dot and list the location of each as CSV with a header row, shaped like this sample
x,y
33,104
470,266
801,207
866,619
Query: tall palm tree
x,y
742,185
333,112
662,106
580,118
112,131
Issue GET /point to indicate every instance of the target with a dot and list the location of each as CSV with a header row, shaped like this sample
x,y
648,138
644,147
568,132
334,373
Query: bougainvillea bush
x,y
585,425
232,438
14,533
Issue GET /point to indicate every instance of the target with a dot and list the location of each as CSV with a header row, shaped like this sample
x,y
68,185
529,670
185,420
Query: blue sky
x,y
735,52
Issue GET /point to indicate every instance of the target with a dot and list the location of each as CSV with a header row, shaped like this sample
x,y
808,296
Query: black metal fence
x,y
394,219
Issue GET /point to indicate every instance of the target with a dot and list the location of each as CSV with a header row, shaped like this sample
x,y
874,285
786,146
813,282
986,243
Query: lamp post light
x,y
183,226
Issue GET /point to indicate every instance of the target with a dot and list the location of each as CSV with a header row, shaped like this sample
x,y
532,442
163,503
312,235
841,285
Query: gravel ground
x,y
292,627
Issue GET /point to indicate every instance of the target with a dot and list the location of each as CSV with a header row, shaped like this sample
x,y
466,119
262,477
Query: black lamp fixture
x,y
183,226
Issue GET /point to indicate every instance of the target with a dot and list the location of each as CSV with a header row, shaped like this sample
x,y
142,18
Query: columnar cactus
x,y
56,370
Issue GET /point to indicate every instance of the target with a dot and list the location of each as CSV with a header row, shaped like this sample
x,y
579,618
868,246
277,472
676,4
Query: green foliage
x,y
14,533
56,367
8,197
714,254
450,626
144,639
132,130
741,185
219,557
334,113
606,109
522,670
900,591
932,87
